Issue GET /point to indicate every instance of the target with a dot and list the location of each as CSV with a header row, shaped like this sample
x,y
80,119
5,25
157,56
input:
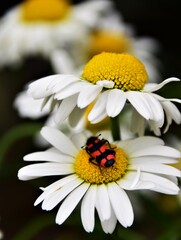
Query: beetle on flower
x,y
140,163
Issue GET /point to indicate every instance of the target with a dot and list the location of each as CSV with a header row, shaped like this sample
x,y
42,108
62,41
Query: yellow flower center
x,y
124,70
95,174
104,41
44,10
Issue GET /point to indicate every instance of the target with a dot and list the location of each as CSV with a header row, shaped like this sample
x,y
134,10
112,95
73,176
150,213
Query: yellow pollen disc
x,y
44,10
104,41
125,70
95,174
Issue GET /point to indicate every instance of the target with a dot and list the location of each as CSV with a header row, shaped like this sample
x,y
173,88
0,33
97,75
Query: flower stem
x,y
115,128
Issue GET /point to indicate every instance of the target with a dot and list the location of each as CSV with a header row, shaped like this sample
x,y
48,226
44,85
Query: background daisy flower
x,y
40,26
139,164
1,235
108,82
110,34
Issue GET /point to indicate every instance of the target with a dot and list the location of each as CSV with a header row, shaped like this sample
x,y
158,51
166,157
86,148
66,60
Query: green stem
x,y
115,128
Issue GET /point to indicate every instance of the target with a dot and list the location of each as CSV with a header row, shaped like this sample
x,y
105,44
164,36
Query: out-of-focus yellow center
x,y
125,70
104,41
95,174
44,10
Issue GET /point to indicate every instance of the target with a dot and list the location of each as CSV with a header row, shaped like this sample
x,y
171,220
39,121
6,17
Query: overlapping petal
x,y
59,140
44,169
88,209
71,202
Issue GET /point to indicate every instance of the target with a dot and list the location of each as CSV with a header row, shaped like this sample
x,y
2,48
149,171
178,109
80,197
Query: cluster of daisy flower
x,y
100,170
104,79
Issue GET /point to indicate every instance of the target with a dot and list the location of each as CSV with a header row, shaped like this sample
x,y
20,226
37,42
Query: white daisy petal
x,y
103,207
171,112
161,184
99,107
57,196
99,117
63,81
87,95
59,140
88,209
121,204
66,107
80,139
44,169
131,181
115,102
154,126
54,186
140,143
47,103
139,102
71,89
156,108
75,118
137,123
172,179
70,203
39,88
109,225
29,107
157,151
153,160
48,156
137,178
156,87
168,99
105,83
156,168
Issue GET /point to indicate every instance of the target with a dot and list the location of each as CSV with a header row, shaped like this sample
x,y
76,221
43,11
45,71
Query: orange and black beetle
x,y
101,151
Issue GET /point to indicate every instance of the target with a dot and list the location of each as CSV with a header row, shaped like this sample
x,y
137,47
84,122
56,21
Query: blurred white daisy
x,y
31,108
108,82
41,26
111,34
1,235
139,164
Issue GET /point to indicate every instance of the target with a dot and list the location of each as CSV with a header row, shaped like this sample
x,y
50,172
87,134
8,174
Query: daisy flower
x,y
41,26
138,164
108,81
31,108
1,235
111,34
28,107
